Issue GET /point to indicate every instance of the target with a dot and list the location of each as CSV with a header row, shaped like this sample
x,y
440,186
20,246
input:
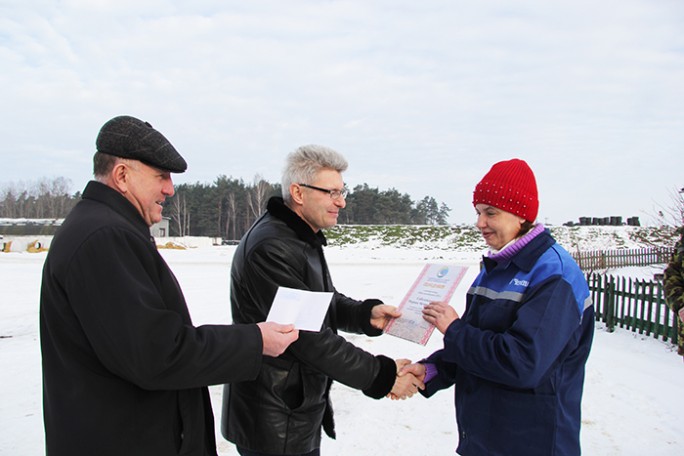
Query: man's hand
x,y
681,314
381,315
401,363
440,314
406,385
276,337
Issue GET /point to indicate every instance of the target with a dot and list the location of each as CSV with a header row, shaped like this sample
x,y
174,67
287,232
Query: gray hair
x,y
303,164
103,164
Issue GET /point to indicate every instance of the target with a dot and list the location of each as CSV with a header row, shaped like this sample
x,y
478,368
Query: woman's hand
x,y
440,314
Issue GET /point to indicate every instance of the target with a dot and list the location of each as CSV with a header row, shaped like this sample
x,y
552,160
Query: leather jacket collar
x,y
277,208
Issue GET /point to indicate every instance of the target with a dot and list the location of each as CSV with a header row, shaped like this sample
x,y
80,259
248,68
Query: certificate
x,y
436,282
305,309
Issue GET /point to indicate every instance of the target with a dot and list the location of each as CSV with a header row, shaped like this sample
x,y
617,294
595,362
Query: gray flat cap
x,y
128,137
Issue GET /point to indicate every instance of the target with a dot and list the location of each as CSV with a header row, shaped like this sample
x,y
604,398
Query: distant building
x,y
160,229
47,227
29,227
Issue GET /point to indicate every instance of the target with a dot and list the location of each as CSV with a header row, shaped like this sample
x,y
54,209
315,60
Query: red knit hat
x,y
509,186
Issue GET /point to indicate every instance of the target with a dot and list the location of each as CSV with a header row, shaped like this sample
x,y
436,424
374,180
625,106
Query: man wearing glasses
x,y
283,410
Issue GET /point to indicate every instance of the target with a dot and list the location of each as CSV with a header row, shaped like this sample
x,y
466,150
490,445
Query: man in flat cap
x,y
125,372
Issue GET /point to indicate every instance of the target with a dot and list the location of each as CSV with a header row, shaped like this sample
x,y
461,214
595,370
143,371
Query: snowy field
x,y
633,402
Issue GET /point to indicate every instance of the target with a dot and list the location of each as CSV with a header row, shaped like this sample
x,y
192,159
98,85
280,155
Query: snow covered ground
x,y
633,402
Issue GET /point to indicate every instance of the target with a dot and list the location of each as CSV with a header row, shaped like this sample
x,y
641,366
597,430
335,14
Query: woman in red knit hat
x,y
517,354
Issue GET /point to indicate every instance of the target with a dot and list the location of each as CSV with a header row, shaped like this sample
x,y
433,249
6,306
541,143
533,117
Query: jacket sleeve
x,y
342,361
114,284
445,378
521,355
673,282
354,316
269,266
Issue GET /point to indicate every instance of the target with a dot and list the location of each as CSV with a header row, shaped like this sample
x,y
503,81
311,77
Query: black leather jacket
x,y
281,412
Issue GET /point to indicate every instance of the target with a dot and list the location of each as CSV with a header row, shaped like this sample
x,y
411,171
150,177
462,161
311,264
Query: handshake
x,y
410,379
411,376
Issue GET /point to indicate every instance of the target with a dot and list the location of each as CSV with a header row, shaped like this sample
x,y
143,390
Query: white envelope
x,y
305,309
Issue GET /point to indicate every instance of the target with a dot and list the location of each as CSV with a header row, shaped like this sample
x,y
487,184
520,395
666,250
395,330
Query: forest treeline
x,y
44,199
227,207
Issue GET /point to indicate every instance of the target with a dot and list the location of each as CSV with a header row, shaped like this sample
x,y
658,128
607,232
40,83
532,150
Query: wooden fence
x,y
637,305
602,259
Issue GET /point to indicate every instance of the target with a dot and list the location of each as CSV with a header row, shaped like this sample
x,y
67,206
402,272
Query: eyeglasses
x,y
334,194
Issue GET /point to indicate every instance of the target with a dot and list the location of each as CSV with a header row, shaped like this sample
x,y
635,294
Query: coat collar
x,y
97,191
277,208
526,257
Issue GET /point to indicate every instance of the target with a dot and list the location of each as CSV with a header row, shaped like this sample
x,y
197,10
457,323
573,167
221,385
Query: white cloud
x,y
422,97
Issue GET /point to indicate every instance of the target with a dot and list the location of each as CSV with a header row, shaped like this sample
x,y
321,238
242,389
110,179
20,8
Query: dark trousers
x,y
243,452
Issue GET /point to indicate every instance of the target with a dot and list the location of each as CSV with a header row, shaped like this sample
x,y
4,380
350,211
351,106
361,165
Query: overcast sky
x,y
420,96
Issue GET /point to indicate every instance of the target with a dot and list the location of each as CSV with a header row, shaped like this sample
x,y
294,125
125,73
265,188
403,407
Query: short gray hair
x,y
303,164
103,165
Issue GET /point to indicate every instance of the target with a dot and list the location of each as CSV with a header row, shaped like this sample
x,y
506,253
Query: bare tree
x,y
231,216
52,197
256,196
8,202
219,215
671,214
180,214
46,198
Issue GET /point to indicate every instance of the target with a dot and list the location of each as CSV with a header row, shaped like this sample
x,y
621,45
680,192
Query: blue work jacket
x,y
517,355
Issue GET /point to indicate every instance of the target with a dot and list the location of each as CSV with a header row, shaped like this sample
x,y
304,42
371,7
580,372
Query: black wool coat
x,y
124,370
